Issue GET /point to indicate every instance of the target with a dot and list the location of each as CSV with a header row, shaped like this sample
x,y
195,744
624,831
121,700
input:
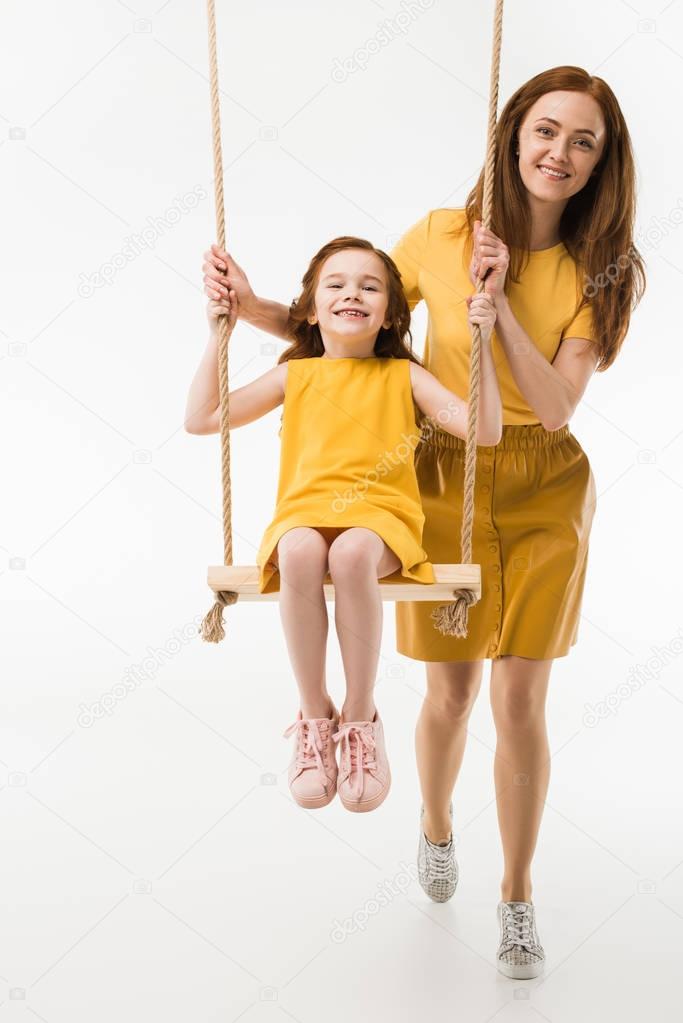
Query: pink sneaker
x,y
364,777
313,768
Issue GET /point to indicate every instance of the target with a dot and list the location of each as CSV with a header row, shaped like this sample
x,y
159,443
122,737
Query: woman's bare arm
x,y
553,390
221,274
269,316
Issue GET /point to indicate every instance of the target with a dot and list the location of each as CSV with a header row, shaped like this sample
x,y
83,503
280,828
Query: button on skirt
x,y
534,505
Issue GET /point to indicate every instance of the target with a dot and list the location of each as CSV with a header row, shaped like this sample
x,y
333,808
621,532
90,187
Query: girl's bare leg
x,y
357,559
440,736
302,559
519,687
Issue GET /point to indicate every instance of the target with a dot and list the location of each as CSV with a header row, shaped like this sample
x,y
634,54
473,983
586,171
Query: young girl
x,y
348,501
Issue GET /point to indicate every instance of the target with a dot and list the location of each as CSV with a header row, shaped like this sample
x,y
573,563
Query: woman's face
x,y
351,296
561,140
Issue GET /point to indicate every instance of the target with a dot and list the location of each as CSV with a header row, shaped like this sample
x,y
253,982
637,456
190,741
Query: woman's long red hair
x,y
597,224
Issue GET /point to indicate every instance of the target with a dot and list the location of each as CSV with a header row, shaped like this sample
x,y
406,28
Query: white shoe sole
x,y
521,972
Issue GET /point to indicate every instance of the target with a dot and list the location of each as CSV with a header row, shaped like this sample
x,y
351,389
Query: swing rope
x,y
451,619
212,625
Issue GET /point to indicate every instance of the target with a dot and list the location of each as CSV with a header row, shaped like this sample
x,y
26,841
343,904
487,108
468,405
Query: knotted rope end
x,y
451,619
213,630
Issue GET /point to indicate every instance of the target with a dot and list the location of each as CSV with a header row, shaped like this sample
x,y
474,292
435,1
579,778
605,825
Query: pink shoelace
x,y
358,745
309,745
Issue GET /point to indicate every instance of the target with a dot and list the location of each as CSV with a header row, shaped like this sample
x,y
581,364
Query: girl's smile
x,y
351,311
351,300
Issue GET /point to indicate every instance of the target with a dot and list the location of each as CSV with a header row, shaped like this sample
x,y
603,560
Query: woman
x,y
564,275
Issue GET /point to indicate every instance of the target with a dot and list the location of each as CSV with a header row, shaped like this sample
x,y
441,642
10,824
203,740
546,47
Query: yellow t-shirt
x,y
544,302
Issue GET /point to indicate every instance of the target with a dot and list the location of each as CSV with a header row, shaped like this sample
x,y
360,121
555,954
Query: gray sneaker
x,y
520,954
437,866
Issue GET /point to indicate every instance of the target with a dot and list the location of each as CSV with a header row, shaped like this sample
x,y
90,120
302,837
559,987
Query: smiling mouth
x,y
552,174
356,314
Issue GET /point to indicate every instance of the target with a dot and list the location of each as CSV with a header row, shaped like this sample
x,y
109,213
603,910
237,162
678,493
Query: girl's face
x,y
351,297
560,141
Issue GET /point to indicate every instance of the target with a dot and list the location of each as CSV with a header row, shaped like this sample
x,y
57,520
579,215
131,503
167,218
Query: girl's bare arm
x,y
248,403
202,412
449,412
446,409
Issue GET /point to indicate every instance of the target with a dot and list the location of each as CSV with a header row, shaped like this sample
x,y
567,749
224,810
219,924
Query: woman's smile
x,y
552,173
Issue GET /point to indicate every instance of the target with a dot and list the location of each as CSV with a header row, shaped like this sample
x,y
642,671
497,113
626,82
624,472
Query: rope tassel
x,y
451,619
213,630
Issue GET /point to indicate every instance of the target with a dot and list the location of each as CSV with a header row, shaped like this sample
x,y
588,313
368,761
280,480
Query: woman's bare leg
x,y
519,687
357,559
302,559
440,736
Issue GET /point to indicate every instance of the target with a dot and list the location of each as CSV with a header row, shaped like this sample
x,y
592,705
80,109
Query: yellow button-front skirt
x,y
534,505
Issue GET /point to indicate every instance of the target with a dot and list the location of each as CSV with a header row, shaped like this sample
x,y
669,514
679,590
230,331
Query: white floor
x,y
155,867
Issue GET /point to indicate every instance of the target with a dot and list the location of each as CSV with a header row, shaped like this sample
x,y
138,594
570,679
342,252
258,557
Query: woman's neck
x,y
545,223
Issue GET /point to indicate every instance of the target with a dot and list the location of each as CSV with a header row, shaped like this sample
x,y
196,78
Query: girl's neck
x,y
338,353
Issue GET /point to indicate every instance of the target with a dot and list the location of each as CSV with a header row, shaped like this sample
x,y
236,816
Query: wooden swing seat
x,y
244,579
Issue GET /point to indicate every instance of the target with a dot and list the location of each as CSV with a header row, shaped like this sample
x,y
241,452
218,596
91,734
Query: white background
x,y
150,870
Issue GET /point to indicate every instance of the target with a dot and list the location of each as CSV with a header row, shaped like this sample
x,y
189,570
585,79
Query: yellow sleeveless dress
x,y
348,438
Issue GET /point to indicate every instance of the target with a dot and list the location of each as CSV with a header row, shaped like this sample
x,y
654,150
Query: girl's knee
x,y
352,556
302,552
